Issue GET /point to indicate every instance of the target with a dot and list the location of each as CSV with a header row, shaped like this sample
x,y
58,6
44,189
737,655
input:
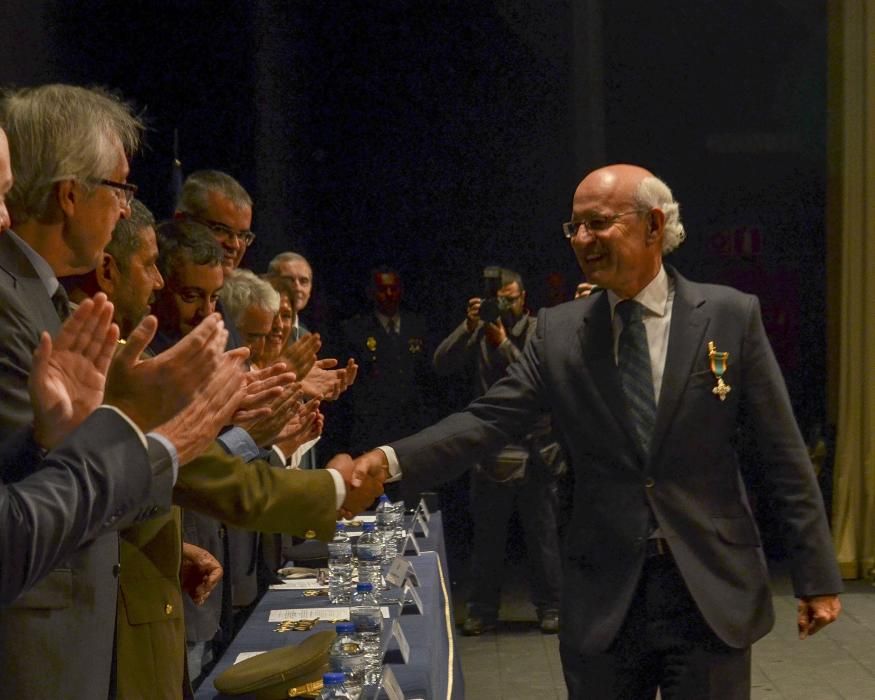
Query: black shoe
x,y
475,626
550,622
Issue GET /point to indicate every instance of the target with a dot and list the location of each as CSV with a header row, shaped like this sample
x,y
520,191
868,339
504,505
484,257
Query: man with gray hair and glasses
x,y
70,148
219,202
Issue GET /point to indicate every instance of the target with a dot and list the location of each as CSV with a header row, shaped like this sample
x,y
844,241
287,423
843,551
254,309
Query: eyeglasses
x,y
594,224
125,191
223,232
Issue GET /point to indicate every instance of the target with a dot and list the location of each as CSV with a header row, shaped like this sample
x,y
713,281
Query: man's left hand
x,y
200,572
495,333
816,612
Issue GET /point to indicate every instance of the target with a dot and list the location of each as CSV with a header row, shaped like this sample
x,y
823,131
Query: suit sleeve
x,y
256,496
450,447
19,338
82,488
785,465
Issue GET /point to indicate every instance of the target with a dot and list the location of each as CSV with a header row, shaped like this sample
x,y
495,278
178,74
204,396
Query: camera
x,y
490,308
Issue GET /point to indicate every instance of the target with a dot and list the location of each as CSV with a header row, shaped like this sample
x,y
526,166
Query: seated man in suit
x,y
649,379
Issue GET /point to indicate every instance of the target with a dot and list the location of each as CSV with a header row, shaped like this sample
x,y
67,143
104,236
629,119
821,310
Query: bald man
x,y
649,379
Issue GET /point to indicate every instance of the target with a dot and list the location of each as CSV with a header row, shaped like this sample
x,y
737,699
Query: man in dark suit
x,y
665,584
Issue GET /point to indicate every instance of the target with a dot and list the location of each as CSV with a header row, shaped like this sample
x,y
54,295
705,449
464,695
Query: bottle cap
x,y
333,679
368,527
345,628
364,587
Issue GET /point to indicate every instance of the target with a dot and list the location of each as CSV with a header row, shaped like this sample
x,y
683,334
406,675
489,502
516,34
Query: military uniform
x,y
387,399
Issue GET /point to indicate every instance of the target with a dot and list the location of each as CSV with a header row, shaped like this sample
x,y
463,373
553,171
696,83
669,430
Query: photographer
x,y
521,475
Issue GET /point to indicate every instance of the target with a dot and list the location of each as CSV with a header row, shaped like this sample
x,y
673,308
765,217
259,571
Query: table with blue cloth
x,y
433,670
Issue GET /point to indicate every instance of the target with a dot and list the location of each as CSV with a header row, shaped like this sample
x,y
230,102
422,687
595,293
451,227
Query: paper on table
x,y
296,584
338,612
295,614
243,655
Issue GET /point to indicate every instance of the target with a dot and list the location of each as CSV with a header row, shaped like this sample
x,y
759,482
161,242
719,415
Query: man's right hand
x,y
361,489
472,317
370,465
151,391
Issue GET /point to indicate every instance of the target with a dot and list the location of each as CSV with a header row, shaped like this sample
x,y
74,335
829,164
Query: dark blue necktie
x,y
633,363
61,303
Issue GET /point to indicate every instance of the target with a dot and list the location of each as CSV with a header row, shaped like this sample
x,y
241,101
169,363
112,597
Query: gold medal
x,y
371,343
719,362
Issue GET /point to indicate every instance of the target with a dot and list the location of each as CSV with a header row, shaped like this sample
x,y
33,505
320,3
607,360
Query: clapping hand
x,y
151,391
68,376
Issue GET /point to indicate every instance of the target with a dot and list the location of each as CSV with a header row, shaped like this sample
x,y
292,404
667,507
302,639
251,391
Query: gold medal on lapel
x,y
371,343
719,364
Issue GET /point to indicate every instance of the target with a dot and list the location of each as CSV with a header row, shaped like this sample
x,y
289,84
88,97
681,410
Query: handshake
x,y
364,478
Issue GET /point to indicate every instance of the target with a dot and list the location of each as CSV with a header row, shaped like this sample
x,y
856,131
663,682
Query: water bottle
x,y
369,553
333,687
339,566
347,656
386,529
365,614
396,510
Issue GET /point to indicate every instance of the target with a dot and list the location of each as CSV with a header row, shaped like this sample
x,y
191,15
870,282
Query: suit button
x,y
649,483
116,570
168,608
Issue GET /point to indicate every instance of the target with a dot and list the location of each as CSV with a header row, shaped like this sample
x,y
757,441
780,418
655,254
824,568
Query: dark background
x,y
442,136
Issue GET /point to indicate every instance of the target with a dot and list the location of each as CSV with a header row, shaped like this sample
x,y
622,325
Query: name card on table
x,y
400,571
401,638
420,525
410,600
389,684
411,546
423,508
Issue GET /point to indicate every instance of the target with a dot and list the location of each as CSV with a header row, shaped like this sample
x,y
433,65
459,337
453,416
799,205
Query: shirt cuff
x,y
339,487
277,457
394,466
239,443
171,450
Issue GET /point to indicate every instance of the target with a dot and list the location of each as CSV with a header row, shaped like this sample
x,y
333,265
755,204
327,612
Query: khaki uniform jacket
x,y
254,495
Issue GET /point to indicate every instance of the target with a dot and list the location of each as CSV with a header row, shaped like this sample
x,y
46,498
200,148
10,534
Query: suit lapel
x,y
597,341
30,287
689,321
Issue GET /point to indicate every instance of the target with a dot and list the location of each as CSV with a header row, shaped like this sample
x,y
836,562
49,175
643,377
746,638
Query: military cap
x,y
289,672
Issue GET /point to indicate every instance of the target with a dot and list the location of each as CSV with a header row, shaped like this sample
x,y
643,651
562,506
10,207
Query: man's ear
x,y
68,194
108,274
655,225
